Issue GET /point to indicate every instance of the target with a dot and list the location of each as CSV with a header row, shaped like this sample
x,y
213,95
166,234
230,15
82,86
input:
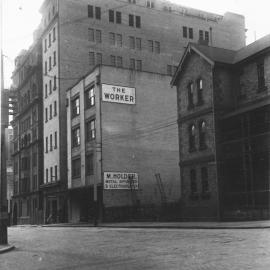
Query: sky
x,y
21,18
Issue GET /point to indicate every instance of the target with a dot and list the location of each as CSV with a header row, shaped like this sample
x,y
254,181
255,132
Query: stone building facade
x,y
223,120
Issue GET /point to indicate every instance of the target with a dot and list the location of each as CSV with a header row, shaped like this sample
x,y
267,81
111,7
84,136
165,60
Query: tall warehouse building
x,y
139,35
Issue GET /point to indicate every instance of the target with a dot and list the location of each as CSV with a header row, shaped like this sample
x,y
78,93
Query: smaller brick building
x,y
122,145
223,119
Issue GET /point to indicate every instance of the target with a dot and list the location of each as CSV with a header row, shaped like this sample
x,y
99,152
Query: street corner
x,y
6,248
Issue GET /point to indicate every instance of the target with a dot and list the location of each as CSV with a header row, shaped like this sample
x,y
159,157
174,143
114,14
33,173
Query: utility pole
x,y
3,189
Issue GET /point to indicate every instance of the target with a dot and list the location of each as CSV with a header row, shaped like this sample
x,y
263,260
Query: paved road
x,y
122,249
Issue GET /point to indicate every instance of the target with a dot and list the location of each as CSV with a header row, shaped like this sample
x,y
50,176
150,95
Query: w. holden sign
x,y
118,180
118,94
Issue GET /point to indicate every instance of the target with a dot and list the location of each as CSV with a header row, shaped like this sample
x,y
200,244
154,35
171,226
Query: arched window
x,y
200,91
190,95
202,134
191,135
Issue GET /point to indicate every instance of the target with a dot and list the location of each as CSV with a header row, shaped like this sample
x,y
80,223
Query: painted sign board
x,y
121,180
118,94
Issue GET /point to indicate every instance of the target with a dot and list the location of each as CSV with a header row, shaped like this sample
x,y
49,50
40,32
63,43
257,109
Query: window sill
x,y
203,147
262,89
194,196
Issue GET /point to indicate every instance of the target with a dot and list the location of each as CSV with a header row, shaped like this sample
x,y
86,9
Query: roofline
x,y
187,51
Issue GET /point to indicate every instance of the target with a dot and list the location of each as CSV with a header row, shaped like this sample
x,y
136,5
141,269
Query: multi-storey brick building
x,y
223,116
121,125
141,35
28,137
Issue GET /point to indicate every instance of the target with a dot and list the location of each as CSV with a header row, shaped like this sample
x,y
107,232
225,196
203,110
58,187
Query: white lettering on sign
x,y
118,94
118,180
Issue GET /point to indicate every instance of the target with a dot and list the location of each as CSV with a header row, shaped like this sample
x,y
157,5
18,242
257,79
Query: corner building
x,y
223,123
122,133
143,36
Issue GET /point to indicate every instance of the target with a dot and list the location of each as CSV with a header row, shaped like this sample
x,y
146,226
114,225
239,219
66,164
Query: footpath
x,y
261,224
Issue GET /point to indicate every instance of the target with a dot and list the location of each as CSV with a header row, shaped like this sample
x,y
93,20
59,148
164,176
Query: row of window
x,y
90,133
192,136
49,114
53,174
51,13
26,98
191,95
194,194
115,39
76,166
51,38
188,33
47,145
114,16
52,86
48,65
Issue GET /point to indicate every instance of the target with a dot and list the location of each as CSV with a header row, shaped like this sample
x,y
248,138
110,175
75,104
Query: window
x,y
54,35
98,13
131,20
76,167
89,166
50,86
51,143
98,36
50,111
138,43
45,68
90,130
132,63
112,60
47,175
54,82
150,46
139,65
91,36
75,106
204,177
51,171
119,40
119,61
190,95
206,35
261,78
90,11
150,4
34,159
50,63
55,108
138,21
55,173
184,31
91,58
55,139
200,91
99,58
54,58
200,34
118,17
34,184
50,40
193,182
112,38
190,33
46,90
45,45
76,139
46,145
157,47
131,42
46,114
90,97
191,136
111,15
202,135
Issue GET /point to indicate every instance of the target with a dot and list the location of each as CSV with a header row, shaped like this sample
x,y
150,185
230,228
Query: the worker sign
x,y
120,180
118,94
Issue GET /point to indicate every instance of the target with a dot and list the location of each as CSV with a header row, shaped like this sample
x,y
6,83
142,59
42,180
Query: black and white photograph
x,y
135,135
